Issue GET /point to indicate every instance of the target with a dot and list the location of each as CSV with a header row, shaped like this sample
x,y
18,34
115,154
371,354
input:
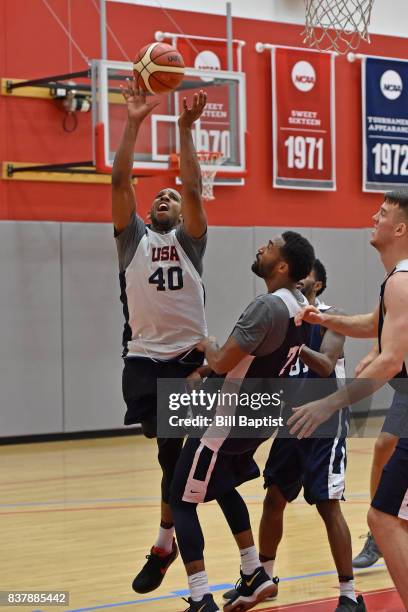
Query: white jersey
x,y
163,298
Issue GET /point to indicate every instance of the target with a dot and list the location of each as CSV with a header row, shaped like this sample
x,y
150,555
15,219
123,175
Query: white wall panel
x,y
46,389
92,328
30,328
228,280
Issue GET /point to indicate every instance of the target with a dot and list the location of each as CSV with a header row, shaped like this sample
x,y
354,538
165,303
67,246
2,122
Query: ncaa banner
x,y
385,123
303,119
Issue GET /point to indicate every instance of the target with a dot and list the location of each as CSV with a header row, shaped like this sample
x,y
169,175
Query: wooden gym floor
x,y
81,516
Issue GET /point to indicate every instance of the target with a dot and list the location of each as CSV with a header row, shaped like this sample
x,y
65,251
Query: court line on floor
x,y
15,483
314,602
213,588
126,507
77,476
250,499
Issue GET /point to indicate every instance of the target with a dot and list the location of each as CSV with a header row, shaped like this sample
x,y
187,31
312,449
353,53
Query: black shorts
x,y
396,421
391,496
203,475
139,382
317,465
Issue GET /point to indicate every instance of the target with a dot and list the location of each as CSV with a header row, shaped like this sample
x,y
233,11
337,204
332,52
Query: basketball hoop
x,y
209,161
337,25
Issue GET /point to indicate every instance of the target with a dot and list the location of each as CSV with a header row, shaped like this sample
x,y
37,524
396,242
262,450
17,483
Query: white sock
x,y
249,560
268,567
347,590
198,584
165,539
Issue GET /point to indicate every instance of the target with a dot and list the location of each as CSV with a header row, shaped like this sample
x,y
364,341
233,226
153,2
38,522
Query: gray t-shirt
x,y
128,241
262,327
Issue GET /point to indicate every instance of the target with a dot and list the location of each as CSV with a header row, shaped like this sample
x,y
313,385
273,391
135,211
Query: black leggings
x,y
169,450
188,529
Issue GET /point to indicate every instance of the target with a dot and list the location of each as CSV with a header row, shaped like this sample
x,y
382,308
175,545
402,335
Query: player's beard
x,y
165,225
263,270
259,269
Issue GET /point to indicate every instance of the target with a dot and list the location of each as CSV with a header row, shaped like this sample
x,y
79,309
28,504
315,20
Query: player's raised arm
x,y
123,195
194,217
354,326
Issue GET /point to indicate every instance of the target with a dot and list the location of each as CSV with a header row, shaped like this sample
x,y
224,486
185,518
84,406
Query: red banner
x,y
303,119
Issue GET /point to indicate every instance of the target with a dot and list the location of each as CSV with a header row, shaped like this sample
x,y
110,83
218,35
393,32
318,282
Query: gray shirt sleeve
x,y
128,240
193,247
262,327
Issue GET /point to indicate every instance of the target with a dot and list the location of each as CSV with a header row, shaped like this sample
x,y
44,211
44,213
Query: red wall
x,y
32,45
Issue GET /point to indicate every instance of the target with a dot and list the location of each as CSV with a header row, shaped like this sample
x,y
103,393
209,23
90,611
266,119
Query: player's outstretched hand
x,y
310,314
135,100
306,419
189,115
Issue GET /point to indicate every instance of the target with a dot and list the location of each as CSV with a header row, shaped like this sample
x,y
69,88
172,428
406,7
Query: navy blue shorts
x,y
317,465
396,421
139,382
392,494
203,475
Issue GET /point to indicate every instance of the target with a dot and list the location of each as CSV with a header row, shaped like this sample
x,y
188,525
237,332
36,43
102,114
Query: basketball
x,y
158,68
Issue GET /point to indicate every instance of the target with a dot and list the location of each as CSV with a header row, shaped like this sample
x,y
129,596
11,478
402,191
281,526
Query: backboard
x,y
221,128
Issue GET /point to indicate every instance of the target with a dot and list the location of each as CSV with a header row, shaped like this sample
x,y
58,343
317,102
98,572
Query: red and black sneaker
x,y
152,573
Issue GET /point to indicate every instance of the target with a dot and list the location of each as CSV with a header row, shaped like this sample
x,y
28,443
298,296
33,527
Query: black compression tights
x,y
188,529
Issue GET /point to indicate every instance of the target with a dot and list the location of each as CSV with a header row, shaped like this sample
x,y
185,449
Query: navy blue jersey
x,y
338,423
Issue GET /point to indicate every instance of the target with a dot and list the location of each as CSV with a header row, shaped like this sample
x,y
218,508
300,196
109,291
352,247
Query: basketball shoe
x,y
250,590
369,554
152,573
346,604
232,593
207,604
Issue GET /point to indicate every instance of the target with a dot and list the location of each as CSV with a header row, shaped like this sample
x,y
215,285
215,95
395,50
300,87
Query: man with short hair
x,y
162,296
388,515
317,465
263,344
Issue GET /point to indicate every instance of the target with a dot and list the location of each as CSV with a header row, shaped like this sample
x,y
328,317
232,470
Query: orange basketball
x,y
158,68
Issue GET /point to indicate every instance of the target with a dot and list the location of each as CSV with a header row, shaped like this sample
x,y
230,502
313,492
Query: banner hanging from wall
x,y
385,123
303,110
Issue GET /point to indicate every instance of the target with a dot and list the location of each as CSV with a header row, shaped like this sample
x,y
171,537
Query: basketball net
x,y
337,25
209,164
209,161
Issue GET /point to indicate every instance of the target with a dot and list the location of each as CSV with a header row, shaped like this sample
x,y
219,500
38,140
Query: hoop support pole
x,y
260,47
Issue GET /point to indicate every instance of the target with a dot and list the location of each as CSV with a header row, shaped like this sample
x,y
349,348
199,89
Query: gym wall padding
x,y
61,358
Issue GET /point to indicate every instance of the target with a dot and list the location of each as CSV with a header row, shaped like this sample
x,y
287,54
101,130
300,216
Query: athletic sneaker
x,y
232,593
348,605
207,604
152,573
250,590
369,555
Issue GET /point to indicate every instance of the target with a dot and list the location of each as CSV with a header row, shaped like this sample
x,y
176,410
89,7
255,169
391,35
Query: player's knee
x,y
274,502
384,446
149,429
329,509
168,453
373,519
